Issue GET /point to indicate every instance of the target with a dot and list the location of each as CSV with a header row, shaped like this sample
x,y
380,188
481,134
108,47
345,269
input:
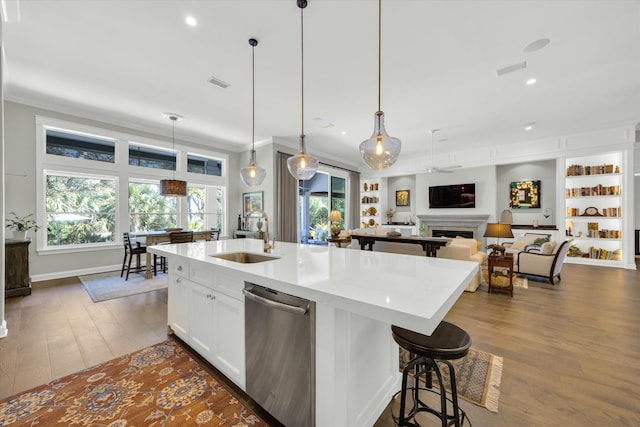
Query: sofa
x,y
527,242
459,248
465,250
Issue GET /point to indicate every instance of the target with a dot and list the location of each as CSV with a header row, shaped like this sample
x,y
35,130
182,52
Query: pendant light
x,y
381,150
303,165
173,187
253,175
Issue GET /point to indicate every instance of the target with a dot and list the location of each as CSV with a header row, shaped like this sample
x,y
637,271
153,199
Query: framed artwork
x,y
525,194
402,198
252,201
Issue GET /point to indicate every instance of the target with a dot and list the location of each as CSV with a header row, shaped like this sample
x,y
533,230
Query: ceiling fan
x,y
436,169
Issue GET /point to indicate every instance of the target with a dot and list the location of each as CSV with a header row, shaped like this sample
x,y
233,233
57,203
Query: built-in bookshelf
x,y
370,203
593,209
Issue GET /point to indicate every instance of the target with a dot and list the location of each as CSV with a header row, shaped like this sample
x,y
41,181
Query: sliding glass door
x,y
317,197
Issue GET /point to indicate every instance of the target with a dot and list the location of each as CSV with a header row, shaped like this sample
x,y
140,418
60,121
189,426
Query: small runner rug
x,y
478,377
105,286
160,385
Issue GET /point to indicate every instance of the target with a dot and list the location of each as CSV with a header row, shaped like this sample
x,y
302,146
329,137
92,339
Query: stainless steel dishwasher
x,y
280,354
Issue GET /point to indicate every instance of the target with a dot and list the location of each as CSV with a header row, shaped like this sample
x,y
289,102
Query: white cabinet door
x,y
178,306
201,319
228,324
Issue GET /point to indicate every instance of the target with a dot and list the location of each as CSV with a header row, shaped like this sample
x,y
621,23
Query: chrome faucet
x,y
265,234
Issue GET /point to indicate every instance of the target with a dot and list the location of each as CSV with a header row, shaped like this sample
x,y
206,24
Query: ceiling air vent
x,y
512,68
216,81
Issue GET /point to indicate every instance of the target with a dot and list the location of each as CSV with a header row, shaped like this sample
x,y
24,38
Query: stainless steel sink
x,y
245,257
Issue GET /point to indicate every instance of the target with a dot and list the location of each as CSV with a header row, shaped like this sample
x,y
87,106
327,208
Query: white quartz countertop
x,y
410,291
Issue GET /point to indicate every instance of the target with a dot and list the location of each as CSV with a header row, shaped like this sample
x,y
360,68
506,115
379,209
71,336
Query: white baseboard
x,y
78,272
3,329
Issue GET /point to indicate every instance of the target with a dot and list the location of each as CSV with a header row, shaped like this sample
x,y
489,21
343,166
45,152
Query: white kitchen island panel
x,y
358,295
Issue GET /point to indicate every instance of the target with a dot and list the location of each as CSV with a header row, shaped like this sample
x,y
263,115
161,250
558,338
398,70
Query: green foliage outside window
x,y
148,210
79,210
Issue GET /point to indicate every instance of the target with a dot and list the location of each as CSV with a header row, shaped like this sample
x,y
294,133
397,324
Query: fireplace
x,y
452,233
469,226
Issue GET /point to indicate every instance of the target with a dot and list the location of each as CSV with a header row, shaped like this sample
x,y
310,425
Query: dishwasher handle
x,y
275,304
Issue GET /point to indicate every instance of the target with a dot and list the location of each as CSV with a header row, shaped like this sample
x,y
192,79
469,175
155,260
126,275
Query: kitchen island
x,y
358,295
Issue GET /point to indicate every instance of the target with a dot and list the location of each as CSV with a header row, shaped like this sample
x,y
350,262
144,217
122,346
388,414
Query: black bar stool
x,y
448,342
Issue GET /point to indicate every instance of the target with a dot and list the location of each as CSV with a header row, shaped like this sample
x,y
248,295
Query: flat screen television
x,y
452,196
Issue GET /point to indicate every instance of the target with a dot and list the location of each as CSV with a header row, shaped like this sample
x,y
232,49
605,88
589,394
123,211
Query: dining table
x,y
155,237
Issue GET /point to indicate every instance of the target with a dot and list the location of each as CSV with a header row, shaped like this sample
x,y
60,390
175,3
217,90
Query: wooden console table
x,y
501,261
339,241
16,268
429,244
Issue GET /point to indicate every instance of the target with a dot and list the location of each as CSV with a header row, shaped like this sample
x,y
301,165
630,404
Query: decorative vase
x,y
20,235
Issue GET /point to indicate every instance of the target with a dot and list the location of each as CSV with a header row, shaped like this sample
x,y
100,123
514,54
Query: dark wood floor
x,y
570,351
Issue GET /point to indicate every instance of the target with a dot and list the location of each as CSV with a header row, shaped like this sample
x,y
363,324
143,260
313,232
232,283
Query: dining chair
x,y
215,234
131,249
181,237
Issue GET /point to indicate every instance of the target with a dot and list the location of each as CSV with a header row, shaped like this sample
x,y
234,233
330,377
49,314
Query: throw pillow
x,y
519,245
548,247
540,241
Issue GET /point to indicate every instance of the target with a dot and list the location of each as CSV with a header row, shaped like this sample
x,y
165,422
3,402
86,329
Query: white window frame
x,y
121,170
83,247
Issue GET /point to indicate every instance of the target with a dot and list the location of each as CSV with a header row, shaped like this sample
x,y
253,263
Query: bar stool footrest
x,y
423,407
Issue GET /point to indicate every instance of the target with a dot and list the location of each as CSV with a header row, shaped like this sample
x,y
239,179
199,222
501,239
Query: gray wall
x,y
20,192
545,172
394,184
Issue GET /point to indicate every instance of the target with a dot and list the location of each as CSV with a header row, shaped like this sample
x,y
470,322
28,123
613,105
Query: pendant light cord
x,y
302,64
379,49
173,143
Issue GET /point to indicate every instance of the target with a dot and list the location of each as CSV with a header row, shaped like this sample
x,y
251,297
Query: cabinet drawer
x,y
179,267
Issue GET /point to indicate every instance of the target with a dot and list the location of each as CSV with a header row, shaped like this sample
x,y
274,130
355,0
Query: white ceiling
x,y
127,62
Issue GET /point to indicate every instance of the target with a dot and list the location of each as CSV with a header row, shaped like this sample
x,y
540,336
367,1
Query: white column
x,y
3,323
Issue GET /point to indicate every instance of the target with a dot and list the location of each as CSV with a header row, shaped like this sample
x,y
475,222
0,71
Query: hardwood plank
x,y
570,350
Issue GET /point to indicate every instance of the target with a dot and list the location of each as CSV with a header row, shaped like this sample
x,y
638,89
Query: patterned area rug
x,y
160,385
105,286
478,376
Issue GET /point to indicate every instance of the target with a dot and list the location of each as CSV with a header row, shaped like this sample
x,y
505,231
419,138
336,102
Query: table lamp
x,y
506,217
335,226
498,230
569,224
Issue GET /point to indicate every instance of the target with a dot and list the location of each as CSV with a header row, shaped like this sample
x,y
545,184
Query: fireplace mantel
x,y
453,223
468,220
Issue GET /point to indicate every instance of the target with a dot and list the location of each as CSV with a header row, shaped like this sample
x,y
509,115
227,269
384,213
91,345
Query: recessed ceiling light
x,y
529,126
536,45
344,132
191,21
531,81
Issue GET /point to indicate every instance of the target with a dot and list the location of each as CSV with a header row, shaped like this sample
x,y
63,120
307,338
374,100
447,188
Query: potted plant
x,y
21,225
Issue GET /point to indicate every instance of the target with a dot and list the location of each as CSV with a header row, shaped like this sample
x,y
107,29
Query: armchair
x,y
543,265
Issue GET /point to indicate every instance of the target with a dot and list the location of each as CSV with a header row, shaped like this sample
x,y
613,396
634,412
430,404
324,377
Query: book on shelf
x,y
598,190
601,253
580,170
615,212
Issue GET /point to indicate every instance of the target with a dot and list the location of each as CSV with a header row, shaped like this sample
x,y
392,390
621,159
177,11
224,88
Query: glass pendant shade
x,y
253,175
173,187
381,150
303,165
